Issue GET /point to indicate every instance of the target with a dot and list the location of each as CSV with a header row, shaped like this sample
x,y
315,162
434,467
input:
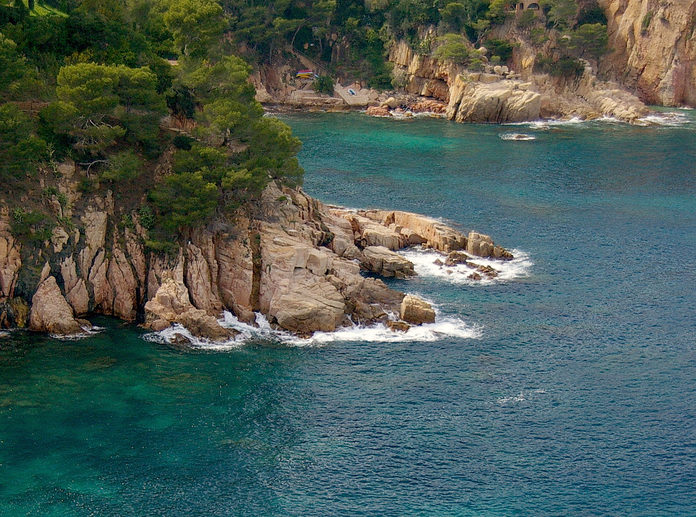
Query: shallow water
x,y
569,387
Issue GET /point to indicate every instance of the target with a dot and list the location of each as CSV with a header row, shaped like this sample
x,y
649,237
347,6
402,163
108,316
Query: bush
x,y
452,48
323,84
123,166
501,48
31,226
646,21
183,142
566,66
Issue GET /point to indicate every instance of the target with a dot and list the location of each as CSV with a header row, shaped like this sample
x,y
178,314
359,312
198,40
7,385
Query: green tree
x,y
590,39
184,200
453,16
500,48
21,151
323,84
12,66
123,166
561,13
195,24
100,104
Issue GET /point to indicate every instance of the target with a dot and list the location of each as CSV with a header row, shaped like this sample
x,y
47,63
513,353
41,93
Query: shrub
x,y
123,166
183,142
146,217
323,84
501,48
452,48
646,21
566,66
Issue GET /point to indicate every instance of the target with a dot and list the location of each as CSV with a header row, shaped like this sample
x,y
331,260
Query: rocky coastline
x,y
496,94
304,265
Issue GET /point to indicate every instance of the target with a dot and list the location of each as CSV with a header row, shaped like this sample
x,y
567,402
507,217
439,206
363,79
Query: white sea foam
x,y
444,327
86,332
543,125
520,397
425,266
519,137
668,119
512,399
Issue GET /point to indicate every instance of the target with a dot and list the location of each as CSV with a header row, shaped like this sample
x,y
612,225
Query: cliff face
x,y
506,96
296,261
653,48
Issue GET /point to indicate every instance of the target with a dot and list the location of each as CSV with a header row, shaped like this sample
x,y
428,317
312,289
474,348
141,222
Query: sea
x,y
564,387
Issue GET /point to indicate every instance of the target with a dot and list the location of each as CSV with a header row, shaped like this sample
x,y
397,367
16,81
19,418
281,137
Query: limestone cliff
x,y
291,258
653,48
501,95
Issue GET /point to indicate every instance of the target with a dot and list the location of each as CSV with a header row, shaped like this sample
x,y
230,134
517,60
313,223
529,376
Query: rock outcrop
x,y
472,100
297,261
653,48
416,311
501,95
51,313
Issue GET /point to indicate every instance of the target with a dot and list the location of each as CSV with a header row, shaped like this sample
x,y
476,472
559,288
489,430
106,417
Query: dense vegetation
x,y
92,83
352,36
121,87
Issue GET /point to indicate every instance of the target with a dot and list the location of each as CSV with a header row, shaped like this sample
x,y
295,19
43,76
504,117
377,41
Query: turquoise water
x,y
578,397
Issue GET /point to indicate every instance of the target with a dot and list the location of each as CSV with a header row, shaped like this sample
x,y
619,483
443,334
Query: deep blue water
x,y
578,398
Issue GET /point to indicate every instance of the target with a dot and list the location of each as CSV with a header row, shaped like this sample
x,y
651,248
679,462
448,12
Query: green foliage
x,y
646,21
538,36
146,217
567,66
123,166
184,200
323,84
453,48
500,48
453,16
50,192
272,153
31,226
21,151
561,13
183,142
100,104
527,19
498,10
195,24
591,13
590,39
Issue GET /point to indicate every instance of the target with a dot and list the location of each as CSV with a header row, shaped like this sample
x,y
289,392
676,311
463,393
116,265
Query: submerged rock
x,y
398,326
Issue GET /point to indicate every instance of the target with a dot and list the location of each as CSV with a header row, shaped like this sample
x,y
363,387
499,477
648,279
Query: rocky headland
x,y
306,266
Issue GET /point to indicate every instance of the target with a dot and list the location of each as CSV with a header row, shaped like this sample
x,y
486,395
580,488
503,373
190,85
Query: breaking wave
x,y
444,327
517,137
80,335
667,119
425,266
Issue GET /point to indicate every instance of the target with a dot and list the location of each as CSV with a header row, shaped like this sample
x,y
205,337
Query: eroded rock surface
x,y
296,261
51,313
